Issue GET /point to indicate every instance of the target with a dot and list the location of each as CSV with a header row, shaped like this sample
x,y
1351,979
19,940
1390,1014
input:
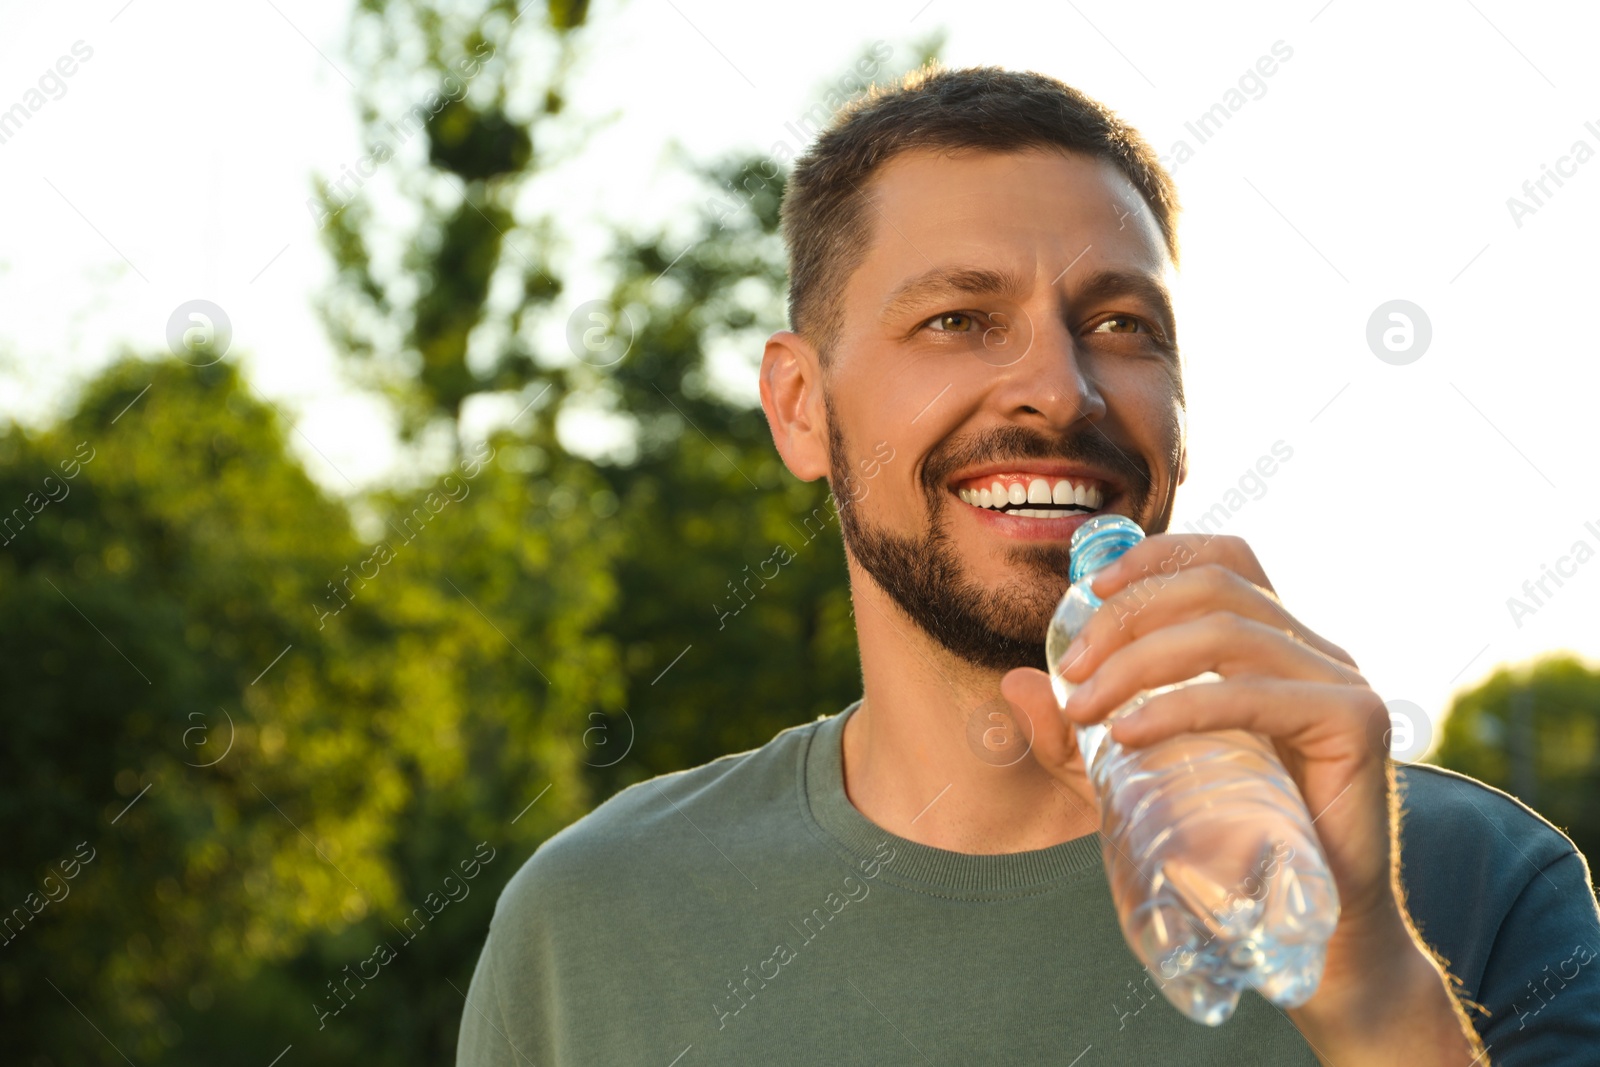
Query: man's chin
x,y
994,618
992,627
1008,638
1001,653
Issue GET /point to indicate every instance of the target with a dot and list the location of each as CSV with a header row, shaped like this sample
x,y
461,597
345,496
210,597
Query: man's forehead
x,y
982,176
992,220
1006,226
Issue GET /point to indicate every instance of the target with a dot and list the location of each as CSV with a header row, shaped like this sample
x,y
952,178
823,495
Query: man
x,y
980,266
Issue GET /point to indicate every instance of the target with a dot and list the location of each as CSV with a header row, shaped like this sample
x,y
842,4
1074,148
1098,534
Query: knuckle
x,y
1215,577
1231,625
1109,669
1339,653
1125,608
1181,703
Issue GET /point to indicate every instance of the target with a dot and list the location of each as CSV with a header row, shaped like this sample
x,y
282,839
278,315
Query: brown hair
x,y
987,108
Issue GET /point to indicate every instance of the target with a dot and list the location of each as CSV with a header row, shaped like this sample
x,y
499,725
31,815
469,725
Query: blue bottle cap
x,y
1099,541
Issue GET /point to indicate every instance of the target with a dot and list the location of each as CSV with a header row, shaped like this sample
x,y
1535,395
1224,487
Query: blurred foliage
x,y
172,606
283,727
1533,731
481,83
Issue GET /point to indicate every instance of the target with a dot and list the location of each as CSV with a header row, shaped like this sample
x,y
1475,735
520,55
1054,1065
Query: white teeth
x,y
1036,491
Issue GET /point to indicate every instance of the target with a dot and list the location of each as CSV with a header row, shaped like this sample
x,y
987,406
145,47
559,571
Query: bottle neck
x,y
1100,542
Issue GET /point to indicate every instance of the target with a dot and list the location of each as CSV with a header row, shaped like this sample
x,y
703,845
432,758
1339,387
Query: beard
x,y
994,629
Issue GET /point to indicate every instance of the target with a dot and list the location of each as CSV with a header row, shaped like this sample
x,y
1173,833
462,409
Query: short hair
x,y
825,226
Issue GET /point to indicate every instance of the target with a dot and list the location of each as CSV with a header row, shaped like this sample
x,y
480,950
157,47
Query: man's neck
x,y
933,754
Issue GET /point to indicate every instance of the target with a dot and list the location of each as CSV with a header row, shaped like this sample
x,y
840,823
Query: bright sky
x,y
1374,164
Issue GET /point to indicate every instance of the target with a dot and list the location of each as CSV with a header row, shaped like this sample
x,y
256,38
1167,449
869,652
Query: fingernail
x,y
1073,652
1079,697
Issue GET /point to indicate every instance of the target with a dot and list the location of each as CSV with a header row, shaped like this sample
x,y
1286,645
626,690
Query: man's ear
x,y
1183,442
791,395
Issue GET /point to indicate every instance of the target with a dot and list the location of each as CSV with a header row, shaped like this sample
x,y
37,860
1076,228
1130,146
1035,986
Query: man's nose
x,y
1046,383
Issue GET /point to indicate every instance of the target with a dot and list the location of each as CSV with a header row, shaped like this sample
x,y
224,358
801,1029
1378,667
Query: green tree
x,y
1534,731
296,780
456,100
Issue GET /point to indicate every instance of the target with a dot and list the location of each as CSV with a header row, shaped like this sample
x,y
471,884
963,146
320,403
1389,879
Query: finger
x,y
1055,745
1144,576
1221,641
1315,720
1156,600
1167,553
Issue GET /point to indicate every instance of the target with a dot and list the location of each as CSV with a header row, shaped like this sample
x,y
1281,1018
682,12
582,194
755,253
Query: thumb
x,y
1055,744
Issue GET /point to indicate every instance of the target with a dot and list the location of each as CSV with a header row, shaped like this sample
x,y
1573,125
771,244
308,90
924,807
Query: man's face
x,y
1009,334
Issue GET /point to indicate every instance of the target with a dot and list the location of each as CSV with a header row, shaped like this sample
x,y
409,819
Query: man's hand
x,y
1179,605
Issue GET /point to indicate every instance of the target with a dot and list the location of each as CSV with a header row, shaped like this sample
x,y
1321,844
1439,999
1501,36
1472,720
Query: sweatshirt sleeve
x,y
1542,980
510,1018
485,1039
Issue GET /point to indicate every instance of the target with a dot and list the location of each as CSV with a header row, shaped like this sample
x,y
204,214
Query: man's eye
x,y
953,322
1122,324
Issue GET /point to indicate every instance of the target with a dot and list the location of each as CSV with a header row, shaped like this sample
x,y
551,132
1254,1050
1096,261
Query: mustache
x,y
1090,447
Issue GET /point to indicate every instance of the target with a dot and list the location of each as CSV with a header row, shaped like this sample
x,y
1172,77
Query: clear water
x,y
1217,876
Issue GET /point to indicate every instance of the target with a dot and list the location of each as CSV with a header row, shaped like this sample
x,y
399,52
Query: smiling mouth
x,y
1032,496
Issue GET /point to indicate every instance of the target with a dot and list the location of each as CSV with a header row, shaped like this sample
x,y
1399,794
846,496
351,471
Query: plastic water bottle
x,y
1217,876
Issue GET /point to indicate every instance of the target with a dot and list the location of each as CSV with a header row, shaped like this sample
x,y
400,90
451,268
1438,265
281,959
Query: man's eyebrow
x,y
1104,285
953,281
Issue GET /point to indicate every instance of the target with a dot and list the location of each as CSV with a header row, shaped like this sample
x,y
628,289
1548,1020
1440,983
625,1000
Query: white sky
x,y
1376,166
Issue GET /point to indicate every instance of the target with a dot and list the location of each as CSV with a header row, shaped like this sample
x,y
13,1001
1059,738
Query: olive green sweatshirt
x,y
744,912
